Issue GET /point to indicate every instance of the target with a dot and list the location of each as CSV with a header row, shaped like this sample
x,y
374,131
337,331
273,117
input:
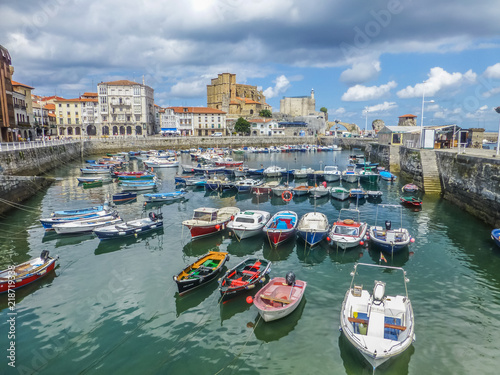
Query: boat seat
x,y
391,237
376,322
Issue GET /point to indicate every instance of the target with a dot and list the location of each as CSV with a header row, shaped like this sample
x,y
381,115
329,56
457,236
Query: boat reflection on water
x,y
275,330
238,304
282,252
311,256
340,204
152,240
245,247
66,239
278,201
194,297
203,245
346,256
319,201
152,205
260,198
397,259
354,363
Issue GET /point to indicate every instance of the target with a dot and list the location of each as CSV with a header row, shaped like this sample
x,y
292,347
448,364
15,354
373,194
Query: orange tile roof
x,y
196,110
50,106
258,120
14,83
45,98
88,100
407,116
89,94
122,82
52,115
248,100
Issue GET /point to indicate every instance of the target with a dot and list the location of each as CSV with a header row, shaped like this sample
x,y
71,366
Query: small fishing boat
x,y
165,197
331,173
130,228
313,228
387,176
386,238
368,175
281,227
265,188
92,184
347,232
214,184
248,223
495,236
302,172
409,188
349,174
244,276
358,193
241,171
86,225
410,201
137,177
301,190
339,193
320,191
124,197
279,297
50,221
95,170
81,211
161,163
25,273
132,174
273,171
207,221
202,271
280,189
374,194
126,186
379,326
93,179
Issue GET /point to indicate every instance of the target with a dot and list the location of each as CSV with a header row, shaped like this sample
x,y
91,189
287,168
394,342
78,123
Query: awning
x,y
168,129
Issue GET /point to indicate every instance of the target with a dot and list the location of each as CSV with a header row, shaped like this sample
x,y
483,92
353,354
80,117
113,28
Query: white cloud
x,y
492,71
281,85
439,80
361,72
359,93
189,89
492,92
383,107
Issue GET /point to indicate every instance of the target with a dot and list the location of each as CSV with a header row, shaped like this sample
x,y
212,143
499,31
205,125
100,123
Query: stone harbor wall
x,y
16,189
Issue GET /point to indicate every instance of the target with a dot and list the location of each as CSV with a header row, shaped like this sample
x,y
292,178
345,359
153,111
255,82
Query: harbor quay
x,y
470,178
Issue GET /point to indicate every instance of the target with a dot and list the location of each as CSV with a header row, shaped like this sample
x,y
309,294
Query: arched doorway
x,y
138,130
91,130
105,130
70,131
62,131
115,130
129,130
77,131
122,130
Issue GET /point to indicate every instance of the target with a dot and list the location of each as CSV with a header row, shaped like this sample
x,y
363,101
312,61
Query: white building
x,y
169,122
200,121
265,128
126,108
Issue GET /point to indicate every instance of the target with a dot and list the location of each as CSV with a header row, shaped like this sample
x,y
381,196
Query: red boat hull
x,y
278,237
229,164
4,285
207,230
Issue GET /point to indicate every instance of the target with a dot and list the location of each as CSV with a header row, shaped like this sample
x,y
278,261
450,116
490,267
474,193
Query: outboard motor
x,y
152,216
290,278
388,225
44,255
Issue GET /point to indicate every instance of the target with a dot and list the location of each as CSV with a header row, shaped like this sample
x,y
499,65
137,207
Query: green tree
x,y
325,111
242,126
265,113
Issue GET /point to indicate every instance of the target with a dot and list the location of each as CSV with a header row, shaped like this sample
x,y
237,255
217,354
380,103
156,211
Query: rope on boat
x,y
18,205
241,350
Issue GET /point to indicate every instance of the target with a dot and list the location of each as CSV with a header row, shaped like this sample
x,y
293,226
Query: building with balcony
x,y
266,127
7,116
41,119
200,121
126,108
169,122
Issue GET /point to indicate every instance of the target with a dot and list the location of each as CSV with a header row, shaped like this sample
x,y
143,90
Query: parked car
x,y
217,134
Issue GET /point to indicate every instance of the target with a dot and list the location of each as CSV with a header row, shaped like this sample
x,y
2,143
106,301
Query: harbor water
x,y
112,306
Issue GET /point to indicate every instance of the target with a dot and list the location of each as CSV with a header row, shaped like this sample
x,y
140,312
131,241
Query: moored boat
x,y
279,297
130,228
165,197
248,223
281,227
313,228
265,188
81,211
207,221
379,326
301,190
348,232
331,173
124,197
349,174
50,221
244,276
86,225
339,193
273,171
203,270
410,201
409,188
495,236
387,176
386,238
25,273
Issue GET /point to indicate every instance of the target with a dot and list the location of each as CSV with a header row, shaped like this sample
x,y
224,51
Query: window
x,y
76,121
137,90
69,121
68,113
76,105
60,105
67,105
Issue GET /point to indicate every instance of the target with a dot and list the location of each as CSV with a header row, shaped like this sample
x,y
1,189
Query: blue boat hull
x,y
495,235
129,232
312,238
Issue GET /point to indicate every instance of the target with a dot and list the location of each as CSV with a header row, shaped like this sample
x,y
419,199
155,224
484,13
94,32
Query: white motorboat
x,y
339,193
331,173
313,227
379,325
273,171
348,232
350,174
302,172
248,223
387,238
86,225
319,191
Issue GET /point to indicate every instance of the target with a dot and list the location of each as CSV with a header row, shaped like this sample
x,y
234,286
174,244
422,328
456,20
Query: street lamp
x,y
336,127
498,137
422,119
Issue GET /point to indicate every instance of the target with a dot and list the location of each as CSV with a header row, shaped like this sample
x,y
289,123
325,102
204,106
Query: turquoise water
x,y
112,307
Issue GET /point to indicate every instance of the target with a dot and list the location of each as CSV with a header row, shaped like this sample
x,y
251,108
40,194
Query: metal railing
x,y
10,146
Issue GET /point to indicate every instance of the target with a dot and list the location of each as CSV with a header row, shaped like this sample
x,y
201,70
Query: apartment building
x,y
200,121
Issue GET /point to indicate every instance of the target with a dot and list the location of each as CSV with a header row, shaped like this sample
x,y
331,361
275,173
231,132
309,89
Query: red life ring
x,y
286,195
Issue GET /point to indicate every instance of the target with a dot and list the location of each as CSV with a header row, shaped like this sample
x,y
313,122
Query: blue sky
x,y
365,59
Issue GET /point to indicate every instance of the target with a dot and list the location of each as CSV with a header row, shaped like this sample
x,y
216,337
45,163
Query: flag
x,y
382,258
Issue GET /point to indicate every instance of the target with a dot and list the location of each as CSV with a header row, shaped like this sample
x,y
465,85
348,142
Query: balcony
x,y
121,104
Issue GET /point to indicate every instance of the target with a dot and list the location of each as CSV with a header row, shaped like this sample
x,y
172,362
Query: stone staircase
x,y
430,173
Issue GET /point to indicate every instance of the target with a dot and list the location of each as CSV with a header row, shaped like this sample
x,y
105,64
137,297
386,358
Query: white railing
x,y
10,146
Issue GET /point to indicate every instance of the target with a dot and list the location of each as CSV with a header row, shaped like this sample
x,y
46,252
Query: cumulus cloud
x,y
360,93
383,107
361,72
190,89
281,85
492,71
439,80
